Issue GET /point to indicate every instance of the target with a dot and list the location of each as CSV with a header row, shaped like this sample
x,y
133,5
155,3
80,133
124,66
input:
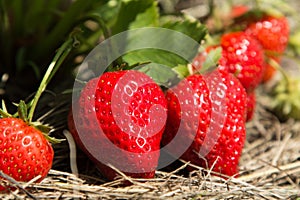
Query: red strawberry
x,y
24,151
218,132
243,56
273,34
119,119
251,104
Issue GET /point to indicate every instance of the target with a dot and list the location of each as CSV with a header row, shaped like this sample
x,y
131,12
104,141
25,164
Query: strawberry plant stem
x,y
285,76
58,59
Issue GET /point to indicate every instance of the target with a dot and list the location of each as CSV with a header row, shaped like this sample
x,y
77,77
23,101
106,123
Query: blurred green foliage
x,y
32,30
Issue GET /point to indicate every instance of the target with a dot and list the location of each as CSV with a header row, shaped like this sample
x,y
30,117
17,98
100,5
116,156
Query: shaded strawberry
x,y
119,119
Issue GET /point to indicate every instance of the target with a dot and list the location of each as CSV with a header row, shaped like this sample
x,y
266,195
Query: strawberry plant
x,y
25,151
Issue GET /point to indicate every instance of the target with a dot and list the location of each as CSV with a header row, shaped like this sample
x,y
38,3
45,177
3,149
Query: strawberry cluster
x,y
246,53
204,115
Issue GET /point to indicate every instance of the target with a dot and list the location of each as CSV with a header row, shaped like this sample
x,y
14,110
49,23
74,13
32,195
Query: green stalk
x,y
98,19
58,59
286,78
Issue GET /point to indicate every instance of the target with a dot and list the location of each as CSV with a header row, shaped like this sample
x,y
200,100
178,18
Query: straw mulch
x,y
269,169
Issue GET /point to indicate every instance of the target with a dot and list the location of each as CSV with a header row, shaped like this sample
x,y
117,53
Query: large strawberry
x,y
273,34
218,102
243,56
25,153
119,119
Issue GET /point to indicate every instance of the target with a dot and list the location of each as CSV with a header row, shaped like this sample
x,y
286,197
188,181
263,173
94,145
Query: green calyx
x,y
286,99
285,96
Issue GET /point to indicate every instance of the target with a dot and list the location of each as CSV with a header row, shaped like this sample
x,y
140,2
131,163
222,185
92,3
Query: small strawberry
x,y
24,151
119,119
273,34
243,56
251,104
218,133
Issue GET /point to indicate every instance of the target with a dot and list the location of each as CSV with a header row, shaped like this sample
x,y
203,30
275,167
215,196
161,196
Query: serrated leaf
x,y
187,26
148,18
153,56
158,45
136,12
162,75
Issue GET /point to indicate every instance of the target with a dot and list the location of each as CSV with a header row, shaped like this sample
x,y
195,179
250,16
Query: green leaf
x,y
135,13
153,55
187,25
162,75
190,28
158,45
150,17
211,60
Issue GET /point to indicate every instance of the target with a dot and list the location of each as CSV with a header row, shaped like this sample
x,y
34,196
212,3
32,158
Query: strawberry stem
x,y
58,59
286,78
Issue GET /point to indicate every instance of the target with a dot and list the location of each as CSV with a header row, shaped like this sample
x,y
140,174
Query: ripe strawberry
x,y
218,133
119,119
273,34
251,104
24,151
243,56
